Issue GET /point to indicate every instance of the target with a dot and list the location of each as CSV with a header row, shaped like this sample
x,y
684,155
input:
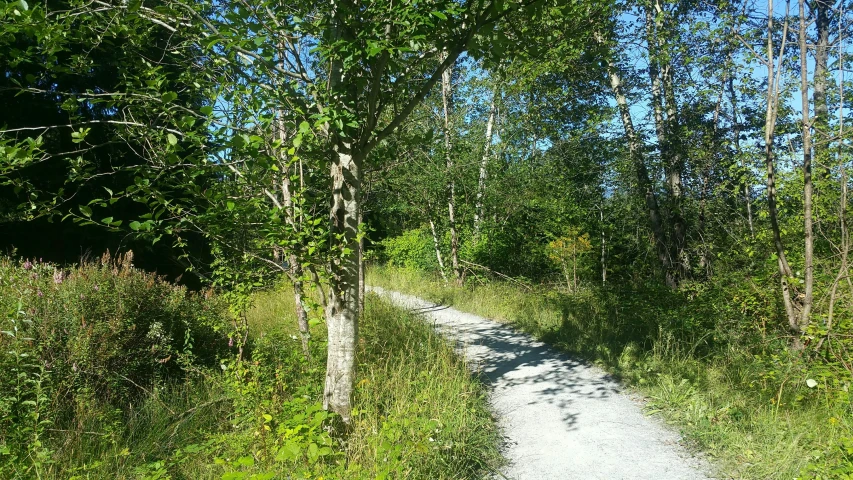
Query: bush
x,y
98,335
413,249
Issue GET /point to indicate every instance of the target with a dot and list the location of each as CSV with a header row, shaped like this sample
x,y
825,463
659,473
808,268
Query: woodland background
x,y
659,186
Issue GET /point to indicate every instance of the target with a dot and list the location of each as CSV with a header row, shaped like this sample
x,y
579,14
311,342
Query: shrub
x,y
102,330
413,249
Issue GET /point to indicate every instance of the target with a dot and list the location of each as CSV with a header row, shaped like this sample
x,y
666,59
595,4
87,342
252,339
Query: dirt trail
x,y
562,418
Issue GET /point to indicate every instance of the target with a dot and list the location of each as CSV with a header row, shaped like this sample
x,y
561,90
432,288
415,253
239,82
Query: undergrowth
x,y
112,373
707,357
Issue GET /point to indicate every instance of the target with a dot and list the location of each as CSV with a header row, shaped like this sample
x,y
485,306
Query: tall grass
x,y
419,413
705,359
183,406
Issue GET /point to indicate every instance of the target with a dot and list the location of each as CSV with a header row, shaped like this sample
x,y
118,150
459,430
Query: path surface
x,y
562,418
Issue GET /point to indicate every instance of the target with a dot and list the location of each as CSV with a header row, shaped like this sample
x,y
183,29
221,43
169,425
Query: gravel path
x,y
562,418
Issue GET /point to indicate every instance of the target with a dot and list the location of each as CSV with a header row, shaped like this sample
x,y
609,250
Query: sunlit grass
x,y
752,420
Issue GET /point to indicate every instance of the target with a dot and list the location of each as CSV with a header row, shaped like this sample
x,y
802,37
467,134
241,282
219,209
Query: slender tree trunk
x,y
666,126
447,103
437,245
747,188
361,266
643,181
342,312
294,267
484,163
822,134
301,315
675,171
805,314
603,247
575,266
788,297
843,269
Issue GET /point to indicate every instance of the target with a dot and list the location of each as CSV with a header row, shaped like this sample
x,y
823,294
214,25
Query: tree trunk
x,y
791,310
361,267
675,169
808,257
747,188
484,163
666,123
294,267
821,107
342,311
437,246
603,248
301,315
844,245
447,103
643,181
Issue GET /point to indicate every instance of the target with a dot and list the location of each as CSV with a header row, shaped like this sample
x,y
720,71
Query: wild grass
x,y
706,361
419,413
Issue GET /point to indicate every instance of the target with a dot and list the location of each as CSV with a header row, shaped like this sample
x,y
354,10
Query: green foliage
x,y
412,249
102,334
711,358
88,393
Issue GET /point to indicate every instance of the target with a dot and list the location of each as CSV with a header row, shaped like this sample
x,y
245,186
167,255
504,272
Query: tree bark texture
x,y
643,181
342,311
823,136
437,245
484,163
805,314
785,273
447,104
294,267
666,129
747,188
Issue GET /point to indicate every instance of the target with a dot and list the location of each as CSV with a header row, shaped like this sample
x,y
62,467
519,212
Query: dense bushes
x,y
77,343
412,249
109,372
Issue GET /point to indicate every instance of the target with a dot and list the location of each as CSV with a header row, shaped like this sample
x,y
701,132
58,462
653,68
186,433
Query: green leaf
x,y
85,210
206,110
23,4
230,205
135,226
173,140
168,97
440,15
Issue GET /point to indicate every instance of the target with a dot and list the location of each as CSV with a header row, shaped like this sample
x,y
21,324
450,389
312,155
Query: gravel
x,y
561,417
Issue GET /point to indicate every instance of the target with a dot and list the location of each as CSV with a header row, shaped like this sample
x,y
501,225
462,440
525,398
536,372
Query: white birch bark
x,y
484,171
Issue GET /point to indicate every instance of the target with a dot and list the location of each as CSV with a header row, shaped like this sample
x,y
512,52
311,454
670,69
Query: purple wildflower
x,y
230,342
28,265
97,288
39,293
58,276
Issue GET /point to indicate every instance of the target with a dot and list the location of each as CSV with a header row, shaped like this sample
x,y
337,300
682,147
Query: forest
x,y
196,196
